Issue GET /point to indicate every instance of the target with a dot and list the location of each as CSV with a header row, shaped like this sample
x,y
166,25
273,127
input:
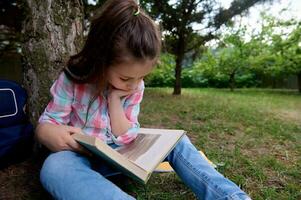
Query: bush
x,y
246,80
163,74
193,78
199,75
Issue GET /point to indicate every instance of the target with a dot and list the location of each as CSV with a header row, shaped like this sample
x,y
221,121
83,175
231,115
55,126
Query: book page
x,y
138,147
149,149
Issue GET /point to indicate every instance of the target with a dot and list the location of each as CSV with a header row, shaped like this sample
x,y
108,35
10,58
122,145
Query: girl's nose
x,y
131,86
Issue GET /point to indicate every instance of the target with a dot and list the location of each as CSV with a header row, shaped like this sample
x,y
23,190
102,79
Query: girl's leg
x,y
68,175
200,176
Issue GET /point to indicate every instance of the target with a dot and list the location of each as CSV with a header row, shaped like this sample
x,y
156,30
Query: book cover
x,y
139,158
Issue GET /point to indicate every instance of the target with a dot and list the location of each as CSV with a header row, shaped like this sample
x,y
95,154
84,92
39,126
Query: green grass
x,y
254,136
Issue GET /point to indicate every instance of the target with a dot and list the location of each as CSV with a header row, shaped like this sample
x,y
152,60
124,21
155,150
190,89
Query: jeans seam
x,y
198,175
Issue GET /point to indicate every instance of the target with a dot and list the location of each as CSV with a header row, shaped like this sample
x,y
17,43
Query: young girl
x,y
99,93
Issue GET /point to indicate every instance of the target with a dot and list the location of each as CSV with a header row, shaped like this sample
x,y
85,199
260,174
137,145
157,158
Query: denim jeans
x,y
69,175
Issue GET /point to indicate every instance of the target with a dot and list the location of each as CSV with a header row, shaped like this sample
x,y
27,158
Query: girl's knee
x,y
56,165
184,142
183,146
51,165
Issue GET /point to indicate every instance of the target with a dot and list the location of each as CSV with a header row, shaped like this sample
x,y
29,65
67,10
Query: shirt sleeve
x,y
131,109
59,108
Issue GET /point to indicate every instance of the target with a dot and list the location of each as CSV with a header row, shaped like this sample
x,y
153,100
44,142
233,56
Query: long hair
x,y
116,34
119,32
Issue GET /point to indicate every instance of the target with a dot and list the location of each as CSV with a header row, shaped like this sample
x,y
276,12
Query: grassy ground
x,y
254,136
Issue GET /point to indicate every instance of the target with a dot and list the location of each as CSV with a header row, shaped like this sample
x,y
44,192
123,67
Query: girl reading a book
x,y
99,93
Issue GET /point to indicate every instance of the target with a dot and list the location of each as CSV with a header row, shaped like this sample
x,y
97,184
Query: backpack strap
x,y
12,102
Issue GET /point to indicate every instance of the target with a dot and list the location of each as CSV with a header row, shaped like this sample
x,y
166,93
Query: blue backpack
x,y
16,132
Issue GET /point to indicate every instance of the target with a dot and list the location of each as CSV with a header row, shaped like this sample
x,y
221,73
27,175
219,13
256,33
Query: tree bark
x,y
299,81
52,31
178,70
232,81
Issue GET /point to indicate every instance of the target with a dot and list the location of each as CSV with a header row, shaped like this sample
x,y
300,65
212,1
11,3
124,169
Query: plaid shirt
x,y
69,106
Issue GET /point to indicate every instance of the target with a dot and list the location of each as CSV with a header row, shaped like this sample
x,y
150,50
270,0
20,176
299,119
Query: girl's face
x,y
127,76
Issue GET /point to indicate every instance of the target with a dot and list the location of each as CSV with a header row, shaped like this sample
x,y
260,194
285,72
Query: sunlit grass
x,y
254,136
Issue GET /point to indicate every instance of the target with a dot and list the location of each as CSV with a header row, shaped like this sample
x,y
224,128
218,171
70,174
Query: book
x,y
139,158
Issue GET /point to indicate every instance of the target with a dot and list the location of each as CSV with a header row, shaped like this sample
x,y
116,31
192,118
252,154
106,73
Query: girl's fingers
x,y
72,129
126,93
122,93
75,146
70,141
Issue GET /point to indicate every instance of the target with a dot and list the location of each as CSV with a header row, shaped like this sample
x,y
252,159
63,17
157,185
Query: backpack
x,y
16,132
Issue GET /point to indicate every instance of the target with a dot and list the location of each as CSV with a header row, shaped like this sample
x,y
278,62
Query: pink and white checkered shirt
x,y
69,106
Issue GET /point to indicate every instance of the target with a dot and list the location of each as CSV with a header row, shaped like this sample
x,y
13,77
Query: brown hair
x,y
117,33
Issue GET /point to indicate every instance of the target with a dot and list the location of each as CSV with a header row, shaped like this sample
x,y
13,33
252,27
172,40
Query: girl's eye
x,y
124,79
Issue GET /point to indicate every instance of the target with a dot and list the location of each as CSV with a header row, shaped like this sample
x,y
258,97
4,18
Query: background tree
x,y
224,63
178,18
161,75
286,49
233,57
52,31
293,53
278,49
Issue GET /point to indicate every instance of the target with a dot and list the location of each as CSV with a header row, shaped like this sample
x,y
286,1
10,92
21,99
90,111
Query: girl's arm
x,y
119,122
58,137
124,114
52,130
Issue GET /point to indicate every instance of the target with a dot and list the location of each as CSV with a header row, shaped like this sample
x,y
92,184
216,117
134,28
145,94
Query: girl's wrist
x,y
113,98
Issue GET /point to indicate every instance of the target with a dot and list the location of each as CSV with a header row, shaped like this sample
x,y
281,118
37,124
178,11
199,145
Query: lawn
x,y
253,136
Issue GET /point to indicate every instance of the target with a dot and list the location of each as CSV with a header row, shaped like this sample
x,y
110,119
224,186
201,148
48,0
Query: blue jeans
x,y
69,175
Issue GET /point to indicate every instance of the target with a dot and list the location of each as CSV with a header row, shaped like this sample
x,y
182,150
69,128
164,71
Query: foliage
x,y
162,75
178,18
275,52
204,73
191,78
279,47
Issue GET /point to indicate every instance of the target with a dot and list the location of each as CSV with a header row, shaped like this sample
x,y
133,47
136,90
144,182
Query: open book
x,y
139,158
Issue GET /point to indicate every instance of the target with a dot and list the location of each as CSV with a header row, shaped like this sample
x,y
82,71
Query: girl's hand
x,y
58,137
115,93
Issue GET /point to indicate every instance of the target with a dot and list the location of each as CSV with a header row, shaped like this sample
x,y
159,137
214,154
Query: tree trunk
x,y
52,31
232,81
178,70
299,81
